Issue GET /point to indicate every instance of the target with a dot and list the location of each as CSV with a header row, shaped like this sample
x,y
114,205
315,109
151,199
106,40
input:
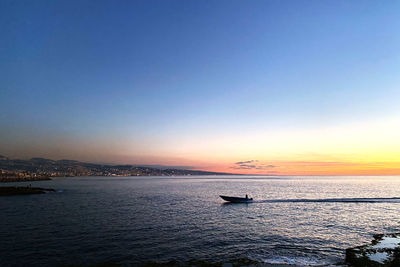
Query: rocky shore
x,y
23,190
384,250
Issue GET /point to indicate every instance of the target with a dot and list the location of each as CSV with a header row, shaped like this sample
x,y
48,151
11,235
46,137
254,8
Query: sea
x,y
294,220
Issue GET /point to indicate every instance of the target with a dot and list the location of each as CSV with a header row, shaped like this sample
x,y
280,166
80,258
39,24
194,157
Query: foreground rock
x,y
384,250
22,190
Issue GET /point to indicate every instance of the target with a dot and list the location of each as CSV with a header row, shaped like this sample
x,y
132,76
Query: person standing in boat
x,y
247,197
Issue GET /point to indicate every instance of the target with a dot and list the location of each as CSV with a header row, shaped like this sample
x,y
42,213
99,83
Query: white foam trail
x,y
294,261
345,200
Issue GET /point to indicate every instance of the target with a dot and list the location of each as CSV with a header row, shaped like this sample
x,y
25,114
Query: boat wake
x,y
341,200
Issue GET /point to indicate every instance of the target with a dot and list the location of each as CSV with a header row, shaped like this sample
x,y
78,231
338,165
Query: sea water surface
x,y
307,220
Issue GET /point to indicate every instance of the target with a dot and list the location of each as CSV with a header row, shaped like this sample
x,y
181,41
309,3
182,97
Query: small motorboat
x,y
237,199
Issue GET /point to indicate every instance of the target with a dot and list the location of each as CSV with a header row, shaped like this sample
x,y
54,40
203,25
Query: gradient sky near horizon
x,y
267,87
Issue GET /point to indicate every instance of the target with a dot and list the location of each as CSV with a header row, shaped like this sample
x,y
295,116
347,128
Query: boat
x,y
237,199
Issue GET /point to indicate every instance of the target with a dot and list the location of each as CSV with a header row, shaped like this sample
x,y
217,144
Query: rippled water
x,y
294,220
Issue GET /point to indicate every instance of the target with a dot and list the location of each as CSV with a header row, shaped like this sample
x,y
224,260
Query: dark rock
x,y
384,250
23,179
22,190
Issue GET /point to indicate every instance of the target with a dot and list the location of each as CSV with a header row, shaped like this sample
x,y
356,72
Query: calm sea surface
x,y
133,220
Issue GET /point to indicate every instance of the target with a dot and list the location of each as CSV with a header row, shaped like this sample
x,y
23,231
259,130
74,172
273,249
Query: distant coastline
x,y
10,179
39,169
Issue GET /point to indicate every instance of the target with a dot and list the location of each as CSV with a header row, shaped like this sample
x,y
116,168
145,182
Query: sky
x,y
262,87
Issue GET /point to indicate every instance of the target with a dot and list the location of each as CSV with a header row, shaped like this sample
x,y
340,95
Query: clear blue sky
x,y
162,70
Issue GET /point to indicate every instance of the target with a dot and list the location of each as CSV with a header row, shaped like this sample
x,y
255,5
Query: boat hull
x,y
237,199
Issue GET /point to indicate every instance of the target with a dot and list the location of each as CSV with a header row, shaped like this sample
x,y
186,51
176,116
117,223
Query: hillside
x,y
41,168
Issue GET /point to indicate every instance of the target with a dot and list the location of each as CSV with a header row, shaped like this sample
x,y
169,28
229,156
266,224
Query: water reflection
x,y
129,220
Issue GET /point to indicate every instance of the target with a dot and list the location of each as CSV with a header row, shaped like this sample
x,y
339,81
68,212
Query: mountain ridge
x,y
42,168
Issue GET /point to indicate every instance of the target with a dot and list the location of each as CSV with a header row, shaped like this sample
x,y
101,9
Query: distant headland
x,y
34,169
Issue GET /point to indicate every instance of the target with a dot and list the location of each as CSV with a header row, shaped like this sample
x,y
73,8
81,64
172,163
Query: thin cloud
x,y
245,162
251,165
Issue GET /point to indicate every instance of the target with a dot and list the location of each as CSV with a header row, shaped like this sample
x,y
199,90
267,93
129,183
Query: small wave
x,y
347,200
296,261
